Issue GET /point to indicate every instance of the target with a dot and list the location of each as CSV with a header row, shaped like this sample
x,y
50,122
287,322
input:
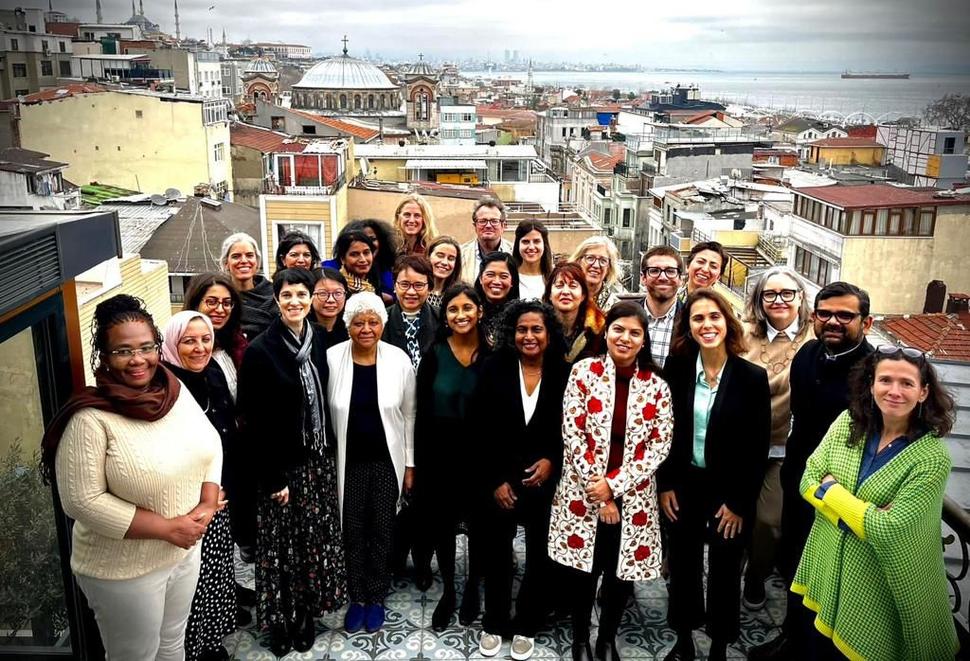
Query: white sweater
x,y
107,465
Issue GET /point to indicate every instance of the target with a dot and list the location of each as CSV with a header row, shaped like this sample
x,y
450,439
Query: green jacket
x,y
880,591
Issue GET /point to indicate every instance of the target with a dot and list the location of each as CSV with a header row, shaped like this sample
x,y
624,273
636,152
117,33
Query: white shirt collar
x,y
699,371
791,331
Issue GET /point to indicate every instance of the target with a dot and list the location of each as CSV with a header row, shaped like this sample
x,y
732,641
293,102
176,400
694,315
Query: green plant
x,y
31,586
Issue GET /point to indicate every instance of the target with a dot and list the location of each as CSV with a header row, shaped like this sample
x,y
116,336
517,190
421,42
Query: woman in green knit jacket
x,y
873,569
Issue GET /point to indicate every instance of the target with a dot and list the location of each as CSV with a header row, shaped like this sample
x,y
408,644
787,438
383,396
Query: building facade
x,y
31,61
457,125
925,156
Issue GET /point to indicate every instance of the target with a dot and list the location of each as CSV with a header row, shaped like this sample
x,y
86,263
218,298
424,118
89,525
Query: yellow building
x,y
136,139
888,240
846,151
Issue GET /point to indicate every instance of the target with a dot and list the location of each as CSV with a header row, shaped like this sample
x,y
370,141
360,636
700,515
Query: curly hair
x,y
387,248
111,312
505,328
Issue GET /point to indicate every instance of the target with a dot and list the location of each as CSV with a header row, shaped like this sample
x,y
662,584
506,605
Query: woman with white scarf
x,y
282,398
375,451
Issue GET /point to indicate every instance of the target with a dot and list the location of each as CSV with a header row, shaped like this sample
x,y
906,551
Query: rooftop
x,y
882,195
354,129
25,161
345,72
264,140
71,89
942,335
445,151
846,142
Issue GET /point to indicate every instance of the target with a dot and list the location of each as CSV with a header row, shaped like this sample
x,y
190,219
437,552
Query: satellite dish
x,y
159,200
173,193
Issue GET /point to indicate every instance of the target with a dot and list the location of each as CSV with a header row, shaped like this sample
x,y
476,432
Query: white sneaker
x,y
489,644
522,647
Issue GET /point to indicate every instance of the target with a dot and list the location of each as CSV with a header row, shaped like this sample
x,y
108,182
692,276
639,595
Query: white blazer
x,y
395,398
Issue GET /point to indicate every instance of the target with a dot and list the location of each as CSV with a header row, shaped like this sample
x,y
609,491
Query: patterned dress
x,y
213,615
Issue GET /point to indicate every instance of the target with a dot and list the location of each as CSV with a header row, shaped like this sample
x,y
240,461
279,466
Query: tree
x,y
616,94
951,111
631,96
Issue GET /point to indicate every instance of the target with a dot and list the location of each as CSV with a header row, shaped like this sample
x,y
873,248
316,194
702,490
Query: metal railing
x,y
958,521
774,248
271,188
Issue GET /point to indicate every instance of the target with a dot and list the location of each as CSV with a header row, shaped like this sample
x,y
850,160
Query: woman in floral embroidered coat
x,y
617,428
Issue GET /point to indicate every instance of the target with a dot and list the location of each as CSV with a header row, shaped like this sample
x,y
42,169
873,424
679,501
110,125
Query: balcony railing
x,y
271,188
774,248
669,135
958,521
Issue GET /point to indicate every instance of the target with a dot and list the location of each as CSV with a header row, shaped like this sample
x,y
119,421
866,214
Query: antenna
x,y
97,10
178,33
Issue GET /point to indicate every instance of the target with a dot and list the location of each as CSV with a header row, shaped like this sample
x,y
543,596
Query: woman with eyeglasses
x,y
600,261
582,322
777,323
188,341
296,250
329,297
497,286
872,569
138,467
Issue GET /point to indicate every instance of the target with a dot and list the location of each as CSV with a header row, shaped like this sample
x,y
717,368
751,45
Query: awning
x,y
444,164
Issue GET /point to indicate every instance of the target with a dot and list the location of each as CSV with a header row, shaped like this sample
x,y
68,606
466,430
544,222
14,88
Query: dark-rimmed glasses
x,y
787,295
842,316
654,272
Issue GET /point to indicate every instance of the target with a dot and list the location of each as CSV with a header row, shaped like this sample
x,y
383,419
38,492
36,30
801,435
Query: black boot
x,y
718,650
441,617
606,649
776,649
582,651
471,605
305,633
683,649
245,597
279,641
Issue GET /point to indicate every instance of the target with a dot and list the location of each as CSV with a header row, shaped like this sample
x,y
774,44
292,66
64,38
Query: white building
x,y
286,51
29,181
457,125
99,31
925,156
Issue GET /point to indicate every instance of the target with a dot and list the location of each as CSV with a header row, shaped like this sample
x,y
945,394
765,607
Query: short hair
x,y
574,272
490,201
498,256
330,274
362,303
840,288
661,251
614,273
683,342
233,239
525,227
625,309
713,246
292,277
456,273
754,310
295,238
417,263
428,229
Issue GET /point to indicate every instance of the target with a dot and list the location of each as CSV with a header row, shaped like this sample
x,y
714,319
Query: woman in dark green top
x,y
446,382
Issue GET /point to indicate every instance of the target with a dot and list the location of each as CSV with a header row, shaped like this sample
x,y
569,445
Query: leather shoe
x,y
423,578
305,635
245,597
441,617
279,641
683,650
243,617
606,650
470,604
776,649
582,652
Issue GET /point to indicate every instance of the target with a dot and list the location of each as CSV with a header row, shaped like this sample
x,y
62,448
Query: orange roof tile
x,y
942,335
263,140
61,92
602,161
355,130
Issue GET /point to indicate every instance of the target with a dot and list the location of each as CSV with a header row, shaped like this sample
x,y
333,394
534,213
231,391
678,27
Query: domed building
x,y
421,96
344,86
138,18
261,80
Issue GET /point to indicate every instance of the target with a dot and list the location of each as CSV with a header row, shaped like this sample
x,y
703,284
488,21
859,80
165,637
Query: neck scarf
x,y
111,394
313,424
355,283
412,325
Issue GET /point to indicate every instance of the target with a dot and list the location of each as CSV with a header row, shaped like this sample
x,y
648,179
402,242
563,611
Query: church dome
x,y
345,72
260,65
419,68
143,23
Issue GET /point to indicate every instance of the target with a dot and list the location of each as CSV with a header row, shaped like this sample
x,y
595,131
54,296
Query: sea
x,y
817,93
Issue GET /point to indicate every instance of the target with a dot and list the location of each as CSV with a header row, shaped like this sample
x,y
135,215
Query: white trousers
x,y
144,618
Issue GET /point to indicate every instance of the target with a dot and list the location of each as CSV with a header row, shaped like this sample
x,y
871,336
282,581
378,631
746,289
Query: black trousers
x,y
695,526
497,529
615,592
370,507
441,516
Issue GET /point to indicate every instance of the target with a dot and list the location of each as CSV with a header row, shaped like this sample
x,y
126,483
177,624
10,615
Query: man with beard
x,y
661,272
819,393
489,221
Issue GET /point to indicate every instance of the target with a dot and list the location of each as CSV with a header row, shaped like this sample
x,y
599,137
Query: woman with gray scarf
x,y
300,571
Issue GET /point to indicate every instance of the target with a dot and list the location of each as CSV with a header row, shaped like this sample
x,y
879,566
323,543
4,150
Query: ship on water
x,y
876,75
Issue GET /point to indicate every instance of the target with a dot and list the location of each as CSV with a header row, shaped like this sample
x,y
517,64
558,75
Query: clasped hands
x,y
185,531
537,473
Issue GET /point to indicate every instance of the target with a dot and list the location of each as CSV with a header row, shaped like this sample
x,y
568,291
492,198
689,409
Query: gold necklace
x,y
775,368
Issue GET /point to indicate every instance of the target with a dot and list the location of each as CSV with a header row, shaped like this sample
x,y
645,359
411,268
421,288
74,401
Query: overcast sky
x,y
885,35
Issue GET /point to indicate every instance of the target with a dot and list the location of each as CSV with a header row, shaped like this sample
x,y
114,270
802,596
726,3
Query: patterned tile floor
x,y
407,634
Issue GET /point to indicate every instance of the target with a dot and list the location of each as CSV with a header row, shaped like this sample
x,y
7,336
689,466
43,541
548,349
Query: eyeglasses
x,y
322,296
404,285
484,222
891,350
842,316
212,303
654,272
787,295
596,260
128,354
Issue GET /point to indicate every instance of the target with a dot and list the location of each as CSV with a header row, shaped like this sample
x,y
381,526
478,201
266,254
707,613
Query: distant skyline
x,y
753,35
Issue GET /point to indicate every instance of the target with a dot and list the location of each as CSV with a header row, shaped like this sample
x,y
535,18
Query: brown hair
x,y
683,342
663,251
713,246
574,272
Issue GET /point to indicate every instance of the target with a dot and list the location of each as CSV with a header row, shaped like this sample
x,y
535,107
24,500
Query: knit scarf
x,y
412,325
313,424
355,283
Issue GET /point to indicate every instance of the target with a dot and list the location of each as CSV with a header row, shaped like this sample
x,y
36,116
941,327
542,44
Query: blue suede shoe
x,y
354,619
375,617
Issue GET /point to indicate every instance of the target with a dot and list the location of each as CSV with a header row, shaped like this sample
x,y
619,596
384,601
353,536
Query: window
x,y
868,221
14,44
513,171
138,114
606,216
313,230
812,266
949,144
44,45
219,152
627,213
19,70
62,46
927,219
309,129
46,68
64,68
882,222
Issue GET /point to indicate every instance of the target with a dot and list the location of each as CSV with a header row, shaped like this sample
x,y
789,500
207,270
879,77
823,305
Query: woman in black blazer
x,y
282,398
517,417
709,483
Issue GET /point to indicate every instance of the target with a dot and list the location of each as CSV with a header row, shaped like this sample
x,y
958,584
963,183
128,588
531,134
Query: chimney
x,y
959,304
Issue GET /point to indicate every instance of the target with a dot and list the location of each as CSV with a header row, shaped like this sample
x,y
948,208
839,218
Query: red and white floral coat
x,y
587,419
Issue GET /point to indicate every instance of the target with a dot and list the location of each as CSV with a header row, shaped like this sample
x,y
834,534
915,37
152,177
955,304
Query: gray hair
x,y
239,237
489,201
362,303
615,272
754,311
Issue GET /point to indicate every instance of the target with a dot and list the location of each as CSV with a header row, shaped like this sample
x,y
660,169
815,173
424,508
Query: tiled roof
x,y
25,161
71,89
355,130
845,142
942,335
881,195
263,140
602,161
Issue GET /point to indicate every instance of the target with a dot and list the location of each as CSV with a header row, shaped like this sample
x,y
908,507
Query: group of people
x,y
345,413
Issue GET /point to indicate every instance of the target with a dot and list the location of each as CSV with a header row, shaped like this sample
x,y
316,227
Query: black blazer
x,y
738,431
270,403
395,327
507,444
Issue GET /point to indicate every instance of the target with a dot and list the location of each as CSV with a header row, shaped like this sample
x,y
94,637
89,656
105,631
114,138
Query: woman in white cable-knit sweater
x,y
137,465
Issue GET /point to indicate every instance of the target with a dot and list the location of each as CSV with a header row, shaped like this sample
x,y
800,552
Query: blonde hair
x,y
615,271
428,230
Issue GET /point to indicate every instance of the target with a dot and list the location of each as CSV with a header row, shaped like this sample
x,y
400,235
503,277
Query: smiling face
x,y
565,294
294,303
595,263
704,270
365,330
216,304
496,281
195,346
897,389
624,339
410,220
443,259
531,336
137,370
780,313
412,290
660,286
358,259
462,315
707,324
298,257
531,247
242,262
489,225
836,335
329,298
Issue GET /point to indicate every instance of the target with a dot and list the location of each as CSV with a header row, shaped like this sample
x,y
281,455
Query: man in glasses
x,y
489,221
661,274
819,393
